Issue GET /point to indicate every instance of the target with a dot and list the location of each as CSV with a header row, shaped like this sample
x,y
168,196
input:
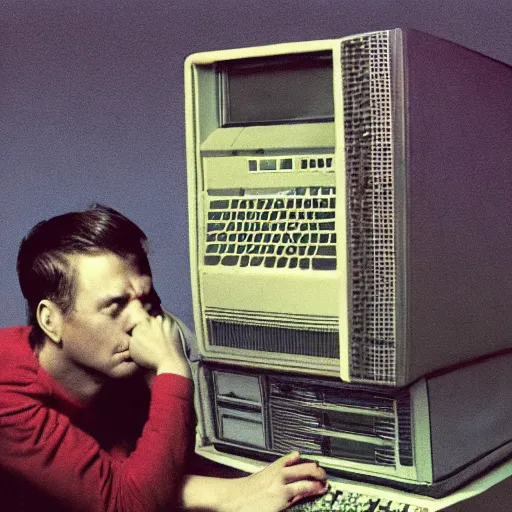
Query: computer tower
x,y
349,208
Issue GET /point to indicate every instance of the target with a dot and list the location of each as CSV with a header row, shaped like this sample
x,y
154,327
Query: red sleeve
x,y
40,445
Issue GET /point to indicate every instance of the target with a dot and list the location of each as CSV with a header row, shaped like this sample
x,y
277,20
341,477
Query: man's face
x,y
112,297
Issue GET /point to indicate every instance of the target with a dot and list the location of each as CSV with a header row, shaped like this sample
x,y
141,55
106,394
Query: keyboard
x,y
292,230
353,502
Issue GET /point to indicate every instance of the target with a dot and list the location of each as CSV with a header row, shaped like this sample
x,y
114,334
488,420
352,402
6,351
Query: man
x,y
96,393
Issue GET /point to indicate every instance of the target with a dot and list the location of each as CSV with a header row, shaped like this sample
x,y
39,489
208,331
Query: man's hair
x,y
44,268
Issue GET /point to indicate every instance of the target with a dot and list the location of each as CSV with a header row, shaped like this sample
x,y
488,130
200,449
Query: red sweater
x,y
122,452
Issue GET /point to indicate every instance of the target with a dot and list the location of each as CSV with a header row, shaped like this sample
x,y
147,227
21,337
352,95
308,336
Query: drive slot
x,y
241,426
347,422
237,387
348,449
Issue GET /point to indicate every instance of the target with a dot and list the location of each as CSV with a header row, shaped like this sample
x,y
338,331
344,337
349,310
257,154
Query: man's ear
x,y
49,318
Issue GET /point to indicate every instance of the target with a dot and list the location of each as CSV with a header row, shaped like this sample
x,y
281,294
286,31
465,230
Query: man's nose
x,y
135,314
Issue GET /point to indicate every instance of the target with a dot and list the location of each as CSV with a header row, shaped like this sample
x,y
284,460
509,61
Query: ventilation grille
x,y
405,429
285,334
369,160
293,230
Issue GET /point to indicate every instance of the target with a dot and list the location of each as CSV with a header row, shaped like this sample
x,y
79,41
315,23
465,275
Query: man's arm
x,y
40,445
272,489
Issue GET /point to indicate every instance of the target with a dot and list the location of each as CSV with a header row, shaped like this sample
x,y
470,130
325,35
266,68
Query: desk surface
x,y
496,499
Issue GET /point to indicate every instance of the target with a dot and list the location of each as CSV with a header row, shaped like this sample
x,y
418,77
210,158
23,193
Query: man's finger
x,y
304,471
290,459
166,325
304,488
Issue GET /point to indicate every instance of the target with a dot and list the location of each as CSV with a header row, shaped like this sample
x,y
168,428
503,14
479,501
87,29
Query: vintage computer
x,y
349,208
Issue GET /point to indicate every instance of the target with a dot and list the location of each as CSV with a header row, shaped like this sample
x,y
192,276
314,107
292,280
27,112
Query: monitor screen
x,y
295,88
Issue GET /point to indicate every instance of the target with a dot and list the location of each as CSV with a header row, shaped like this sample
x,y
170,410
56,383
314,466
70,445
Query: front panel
x,y
361,431
291,169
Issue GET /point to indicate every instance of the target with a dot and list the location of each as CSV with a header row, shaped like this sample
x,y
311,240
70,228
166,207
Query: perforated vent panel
x,y
295,334
369,159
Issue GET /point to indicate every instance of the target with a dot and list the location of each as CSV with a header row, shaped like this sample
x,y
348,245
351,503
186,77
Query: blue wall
x,y
91,102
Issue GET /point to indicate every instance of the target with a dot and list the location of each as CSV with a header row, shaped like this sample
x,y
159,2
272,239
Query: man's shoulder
x,y
14,340
19,331
17,359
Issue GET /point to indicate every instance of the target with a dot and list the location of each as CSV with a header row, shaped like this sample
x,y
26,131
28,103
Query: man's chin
x,y
125,369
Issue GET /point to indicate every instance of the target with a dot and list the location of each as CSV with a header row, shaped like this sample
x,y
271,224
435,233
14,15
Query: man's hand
x,y
273,489
283,483
156,344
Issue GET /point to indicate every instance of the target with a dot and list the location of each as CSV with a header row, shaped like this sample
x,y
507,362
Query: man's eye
x,y
113,310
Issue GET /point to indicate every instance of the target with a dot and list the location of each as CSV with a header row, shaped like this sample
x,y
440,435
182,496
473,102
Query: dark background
x,y
91,103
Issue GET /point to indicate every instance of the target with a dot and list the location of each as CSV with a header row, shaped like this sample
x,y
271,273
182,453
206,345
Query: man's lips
x,y
125,354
